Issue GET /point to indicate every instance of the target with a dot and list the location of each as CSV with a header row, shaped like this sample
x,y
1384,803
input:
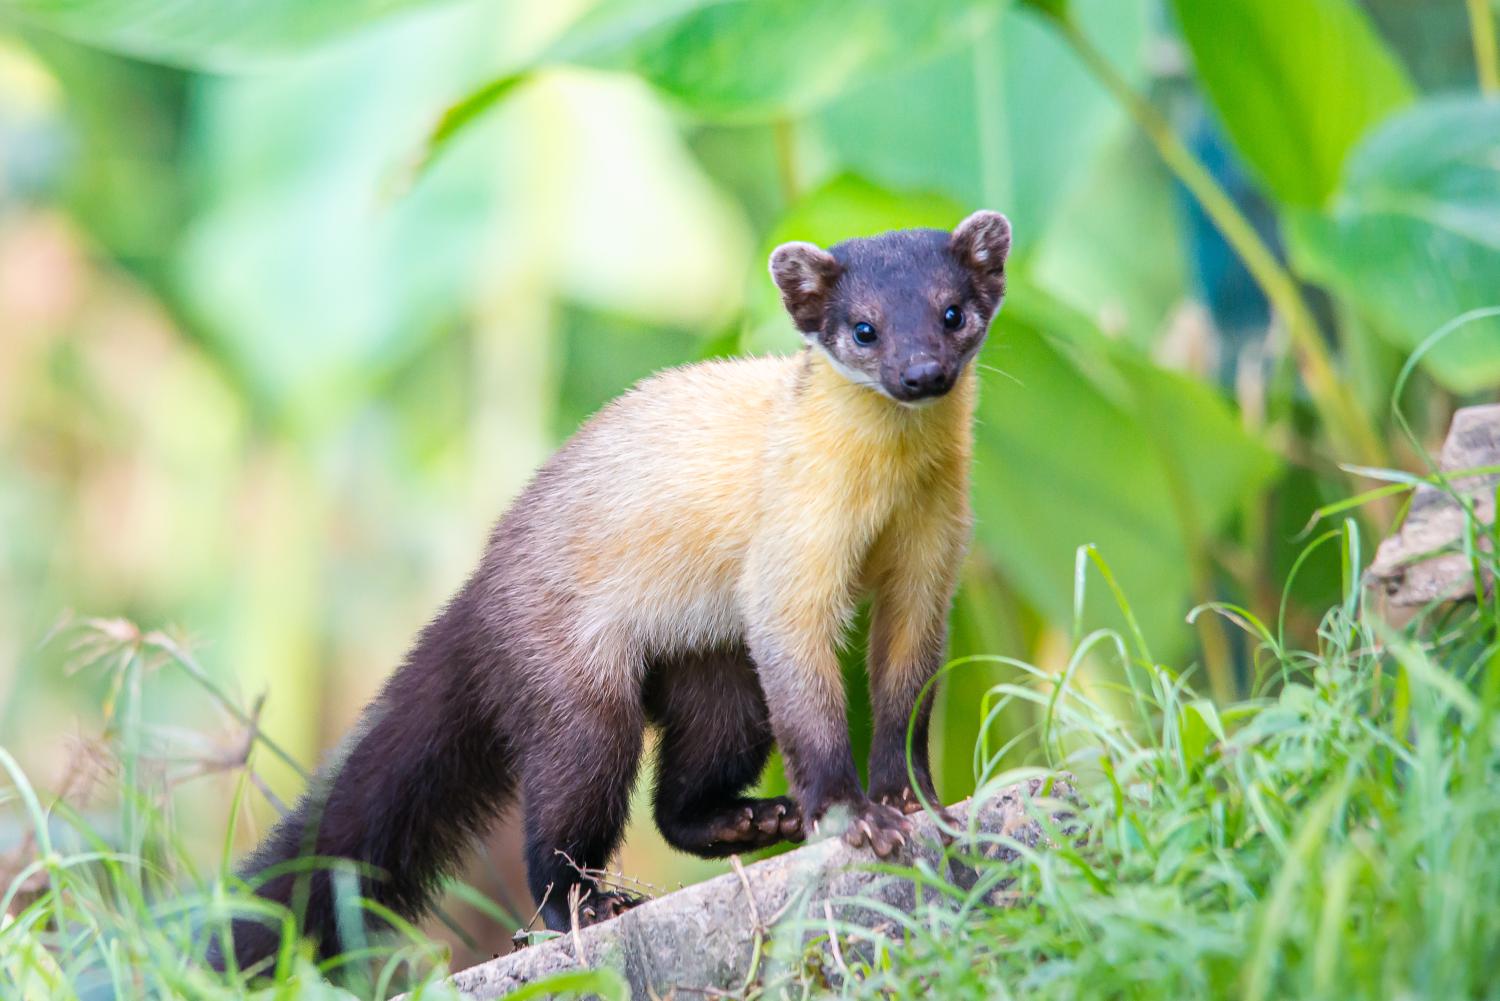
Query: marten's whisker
x,y
1000,372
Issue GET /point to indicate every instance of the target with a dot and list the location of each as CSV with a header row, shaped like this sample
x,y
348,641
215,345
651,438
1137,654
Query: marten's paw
x,y
908,802
758,823
740,826
601,905
877,826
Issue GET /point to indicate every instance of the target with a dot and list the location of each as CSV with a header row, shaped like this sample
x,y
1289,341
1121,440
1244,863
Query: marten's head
x,y
902,312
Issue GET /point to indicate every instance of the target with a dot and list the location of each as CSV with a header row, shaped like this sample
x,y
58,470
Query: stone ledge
x,y
700,940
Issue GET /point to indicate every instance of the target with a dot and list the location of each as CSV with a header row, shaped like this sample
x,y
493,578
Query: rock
x,y
1405,567
701,939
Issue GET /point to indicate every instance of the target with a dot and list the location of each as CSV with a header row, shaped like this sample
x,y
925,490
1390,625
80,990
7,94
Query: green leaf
x,y
27,966
461,114
1295,84
1066,456
1413,236
741,61
316,282
1052,8
965,121
1199,727
307,277
205,34
761,60
603,983
1094,253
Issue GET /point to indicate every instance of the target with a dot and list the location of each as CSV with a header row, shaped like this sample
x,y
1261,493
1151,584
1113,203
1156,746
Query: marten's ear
x,y
981,243
806,275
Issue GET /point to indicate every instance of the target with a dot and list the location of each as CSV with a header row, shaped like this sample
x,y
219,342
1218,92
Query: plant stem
x,y
1486,55
1347,424
133,796
784,136
195,671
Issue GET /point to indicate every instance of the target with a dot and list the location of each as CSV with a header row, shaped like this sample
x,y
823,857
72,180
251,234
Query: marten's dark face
x,y
903,312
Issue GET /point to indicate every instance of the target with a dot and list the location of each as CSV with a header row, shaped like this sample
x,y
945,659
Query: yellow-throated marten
x,y
690,559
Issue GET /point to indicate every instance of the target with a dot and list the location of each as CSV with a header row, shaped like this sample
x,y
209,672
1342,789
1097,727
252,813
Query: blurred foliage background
x,y
294,297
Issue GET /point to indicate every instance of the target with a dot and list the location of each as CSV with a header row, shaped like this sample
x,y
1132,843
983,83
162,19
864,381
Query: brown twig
x,y
833,942
574,896
739,870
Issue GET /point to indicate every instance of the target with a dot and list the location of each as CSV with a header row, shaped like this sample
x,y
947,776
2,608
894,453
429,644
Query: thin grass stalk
x,y
133,796
195,671
1486,53
784,136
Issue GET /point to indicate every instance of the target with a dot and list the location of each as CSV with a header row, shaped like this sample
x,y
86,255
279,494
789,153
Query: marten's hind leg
x,y
715,739
581,761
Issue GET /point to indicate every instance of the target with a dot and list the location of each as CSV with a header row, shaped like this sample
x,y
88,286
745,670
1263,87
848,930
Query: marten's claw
x,y
879,827
904,801
759,823
783,820
909,803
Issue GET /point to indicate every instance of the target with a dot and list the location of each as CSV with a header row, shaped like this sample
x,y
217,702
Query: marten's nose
x,y
924,377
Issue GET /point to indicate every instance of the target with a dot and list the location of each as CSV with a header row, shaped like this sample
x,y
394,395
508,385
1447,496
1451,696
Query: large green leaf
x,y
1083,441
755,60
1413,236
118,170
211,34
304,272
1113,249
1296,84
316,277
967,121
740,61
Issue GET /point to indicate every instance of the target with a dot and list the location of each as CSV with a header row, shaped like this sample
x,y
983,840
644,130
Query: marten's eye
x,y
864,335
953,318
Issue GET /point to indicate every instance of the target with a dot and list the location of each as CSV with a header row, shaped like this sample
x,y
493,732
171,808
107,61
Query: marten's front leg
x,y
793,631
914,569
806,698
903,658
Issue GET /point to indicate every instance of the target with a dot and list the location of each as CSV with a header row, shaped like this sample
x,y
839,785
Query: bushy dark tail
x,y
424,773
